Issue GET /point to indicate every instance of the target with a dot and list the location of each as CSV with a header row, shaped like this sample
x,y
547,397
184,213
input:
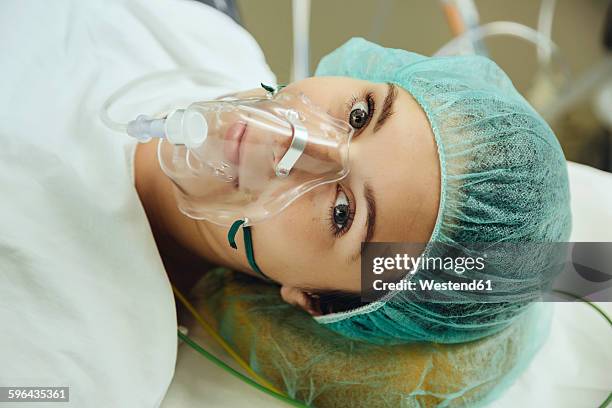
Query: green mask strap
x,y
272,90
248,243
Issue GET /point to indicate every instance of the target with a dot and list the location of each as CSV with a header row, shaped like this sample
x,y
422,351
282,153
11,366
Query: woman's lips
x,y
233,138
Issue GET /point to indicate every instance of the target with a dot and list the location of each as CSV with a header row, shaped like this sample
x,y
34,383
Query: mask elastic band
x,y
248,243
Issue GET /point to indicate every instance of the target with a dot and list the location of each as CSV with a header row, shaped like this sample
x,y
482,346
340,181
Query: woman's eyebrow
x,y
387,109
370,199
370,225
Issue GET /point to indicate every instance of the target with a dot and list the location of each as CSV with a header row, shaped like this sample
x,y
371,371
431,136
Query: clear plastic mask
x,y
249,155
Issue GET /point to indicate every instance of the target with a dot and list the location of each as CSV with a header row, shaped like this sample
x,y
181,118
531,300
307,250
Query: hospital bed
x,y
571,370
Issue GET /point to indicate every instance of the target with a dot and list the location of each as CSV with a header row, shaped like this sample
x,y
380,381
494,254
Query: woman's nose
x,y
326,151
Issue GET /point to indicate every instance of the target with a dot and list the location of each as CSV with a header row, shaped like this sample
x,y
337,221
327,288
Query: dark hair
x,y
334,301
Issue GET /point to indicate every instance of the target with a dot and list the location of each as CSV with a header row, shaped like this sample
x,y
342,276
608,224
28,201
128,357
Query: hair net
x,y
325,369
503,179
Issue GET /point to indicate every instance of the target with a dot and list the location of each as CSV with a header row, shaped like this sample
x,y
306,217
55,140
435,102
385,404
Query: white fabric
x,y
84,299
591,192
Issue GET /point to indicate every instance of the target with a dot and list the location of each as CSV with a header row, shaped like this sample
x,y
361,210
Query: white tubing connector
x,y
180,127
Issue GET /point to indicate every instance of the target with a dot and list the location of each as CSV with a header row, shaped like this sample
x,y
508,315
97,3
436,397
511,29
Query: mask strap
x,y
248,243
271,89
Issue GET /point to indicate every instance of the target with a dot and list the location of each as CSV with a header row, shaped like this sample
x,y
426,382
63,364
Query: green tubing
x,y
238,374
605,316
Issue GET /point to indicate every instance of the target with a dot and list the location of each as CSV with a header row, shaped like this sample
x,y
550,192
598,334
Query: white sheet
x,y
84,299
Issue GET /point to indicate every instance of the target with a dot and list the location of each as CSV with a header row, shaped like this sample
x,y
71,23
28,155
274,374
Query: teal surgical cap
x,y
503,179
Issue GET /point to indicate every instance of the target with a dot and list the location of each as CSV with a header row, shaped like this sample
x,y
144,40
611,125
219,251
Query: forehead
x,y
400,162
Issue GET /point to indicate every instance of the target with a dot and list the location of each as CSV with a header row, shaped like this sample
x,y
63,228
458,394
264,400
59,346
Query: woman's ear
x,y
299,298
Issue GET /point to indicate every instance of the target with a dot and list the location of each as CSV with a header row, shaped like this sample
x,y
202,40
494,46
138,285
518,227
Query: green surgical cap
x,y
503,179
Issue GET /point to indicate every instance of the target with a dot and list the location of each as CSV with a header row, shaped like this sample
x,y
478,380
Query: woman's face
x,y
390,195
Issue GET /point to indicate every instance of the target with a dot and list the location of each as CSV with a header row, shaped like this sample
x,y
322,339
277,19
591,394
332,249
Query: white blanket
x,y
84,299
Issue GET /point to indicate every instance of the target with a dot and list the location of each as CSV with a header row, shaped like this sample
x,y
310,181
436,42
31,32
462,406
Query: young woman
x,y
444,150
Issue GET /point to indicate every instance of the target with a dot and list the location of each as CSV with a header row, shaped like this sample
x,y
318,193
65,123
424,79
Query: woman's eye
x,y
361,111
341,214
359,115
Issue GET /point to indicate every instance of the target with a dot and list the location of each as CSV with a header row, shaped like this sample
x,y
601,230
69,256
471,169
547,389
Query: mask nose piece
x,y
296,148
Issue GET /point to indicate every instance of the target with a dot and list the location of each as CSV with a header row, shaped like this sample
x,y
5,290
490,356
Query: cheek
x,y
290,241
